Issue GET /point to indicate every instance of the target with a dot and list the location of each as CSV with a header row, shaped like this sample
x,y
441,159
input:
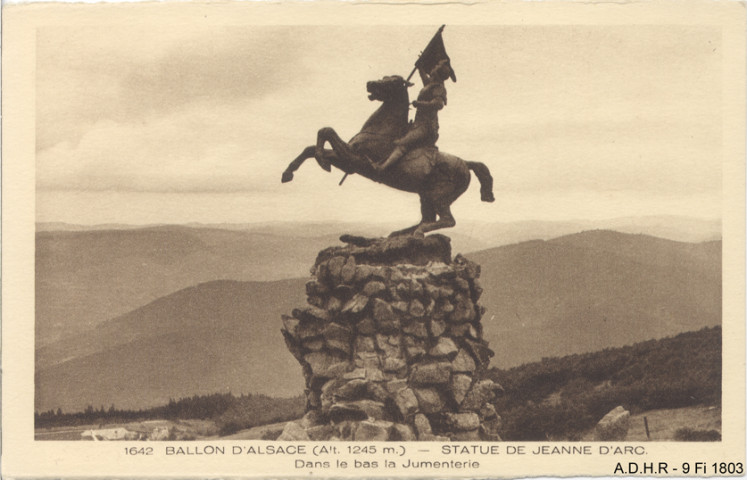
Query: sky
x,y
142,126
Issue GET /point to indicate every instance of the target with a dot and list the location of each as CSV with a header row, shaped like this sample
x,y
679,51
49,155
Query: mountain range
x,y
89,274
86,277
571,294
594,290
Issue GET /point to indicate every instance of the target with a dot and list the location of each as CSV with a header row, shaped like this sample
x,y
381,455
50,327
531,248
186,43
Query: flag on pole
x,y
434,53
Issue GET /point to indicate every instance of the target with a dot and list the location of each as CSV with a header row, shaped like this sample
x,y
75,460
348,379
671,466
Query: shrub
x,y
228,428
253,410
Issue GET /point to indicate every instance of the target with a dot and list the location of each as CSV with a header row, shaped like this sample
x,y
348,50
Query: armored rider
x,y
424,130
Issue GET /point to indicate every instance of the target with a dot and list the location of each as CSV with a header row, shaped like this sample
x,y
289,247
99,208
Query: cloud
x,y
199,148
93,75
636,155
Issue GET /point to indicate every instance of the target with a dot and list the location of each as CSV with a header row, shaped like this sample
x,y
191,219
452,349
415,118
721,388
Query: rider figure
x,y
424,130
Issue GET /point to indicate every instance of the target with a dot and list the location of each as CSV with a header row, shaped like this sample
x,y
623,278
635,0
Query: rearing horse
x,y
437,177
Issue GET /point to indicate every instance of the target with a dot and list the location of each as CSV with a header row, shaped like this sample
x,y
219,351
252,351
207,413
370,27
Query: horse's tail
x,y
486,180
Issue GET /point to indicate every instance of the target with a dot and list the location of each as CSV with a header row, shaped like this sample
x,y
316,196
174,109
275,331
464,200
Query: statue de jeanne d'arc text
x,y
401,154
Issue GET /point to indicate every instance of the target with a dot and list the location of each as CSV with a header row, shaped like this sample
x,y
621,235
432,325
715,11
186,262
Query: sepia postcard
x,y
352,239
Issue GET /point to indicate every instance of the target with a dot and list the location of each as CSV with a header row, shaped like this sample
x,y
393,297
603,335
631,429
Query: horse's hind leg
x,y
486,180
404,231
445,220
427,213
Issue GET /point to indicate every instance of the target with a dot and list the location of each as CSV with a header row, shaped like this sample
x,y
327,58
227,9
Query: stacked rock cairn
x,y
391,345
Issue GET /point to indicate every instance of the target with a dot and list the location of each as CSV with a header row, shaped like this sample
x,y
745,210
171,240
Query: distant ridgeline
x,y
562,397
668,373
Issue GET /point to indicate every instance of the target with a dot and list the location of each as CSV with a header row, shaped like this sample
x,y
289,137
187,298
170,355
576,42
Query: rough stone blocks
x,y
391,345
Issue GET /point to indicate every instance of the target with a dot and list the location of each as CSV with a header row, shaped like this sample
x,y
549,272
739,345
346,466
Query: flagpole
x,y
411,73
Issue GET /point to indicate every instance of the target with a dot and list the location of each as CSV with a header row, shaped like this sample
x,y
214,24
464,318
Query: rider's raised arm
x,y
424,77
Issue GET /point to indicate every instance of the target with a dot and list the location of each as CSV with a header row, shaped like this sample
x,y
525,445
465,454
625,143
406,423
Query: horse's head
x,y
391,88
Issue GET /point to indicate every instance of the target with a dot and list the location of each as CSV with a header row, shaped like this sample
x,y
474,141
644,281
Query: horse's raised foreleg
x,y
347,159
308,152
324,135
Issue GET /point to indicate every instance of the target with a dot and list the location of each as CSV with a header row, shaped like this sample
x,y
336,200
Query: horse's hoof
x,y
406,233
487,197
287,177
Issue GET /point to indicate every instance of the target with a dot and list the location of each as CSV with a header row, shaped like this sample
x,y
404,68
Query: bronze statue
x,y
412,166
431,99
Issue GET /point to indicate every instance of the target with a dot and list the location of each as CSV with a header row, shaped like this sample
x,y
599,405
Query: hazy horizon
x,y
387,222
467,236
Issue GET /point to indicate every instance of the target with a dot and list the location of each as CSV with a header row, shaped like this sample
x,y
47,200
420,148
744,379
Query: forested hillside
x,y
559,398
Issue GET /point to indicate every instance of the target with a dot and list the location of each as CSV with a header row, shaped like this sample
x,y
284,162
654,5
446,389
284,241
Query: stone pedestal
x,y
391,345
